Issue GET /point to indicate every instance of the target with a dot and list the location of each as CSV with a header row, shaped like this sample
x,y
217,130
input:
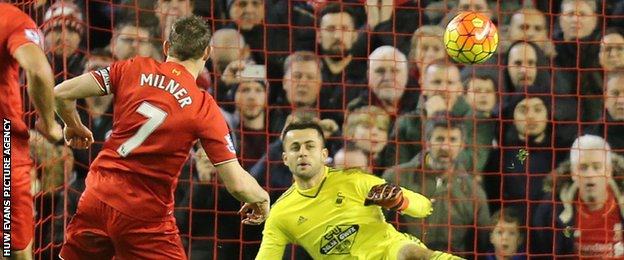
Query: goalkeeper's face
x,y
304,153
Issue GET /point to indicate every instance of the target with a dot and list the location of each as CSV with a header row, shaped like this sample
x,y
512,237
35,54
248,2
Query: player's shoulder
x,y
284,198
13,17
12,12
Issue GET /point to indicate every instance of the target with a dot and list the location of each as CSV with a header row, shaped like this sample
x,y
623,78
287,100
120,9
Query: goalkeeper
x,y
337,213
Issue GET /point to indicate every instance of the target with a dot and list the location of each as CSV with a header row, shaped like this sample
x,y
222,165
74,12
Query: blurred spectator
x,y
482,95
478,6
228,58
388,22
250,123
339,68
350,156
387,78
63,26
258,25
525,69
52,163
585,217
611,127
426,46
528,25
526,155
367,128
443,92
507,236
228,46
170,10
577,46
133,36
459,203
611,53
302,85
528,71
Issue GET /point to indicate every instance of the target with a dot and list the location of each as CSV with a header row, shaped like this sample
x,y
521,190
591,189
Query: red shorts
x,y
98,231
21,208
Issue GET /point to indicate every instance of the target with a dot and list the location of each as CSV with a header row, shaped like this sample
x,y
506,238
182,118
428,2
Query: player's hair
x,y
592,3
589,142
300,56
440,120
336,9
303,125
424,31
509,215
481,77
368,116
189,38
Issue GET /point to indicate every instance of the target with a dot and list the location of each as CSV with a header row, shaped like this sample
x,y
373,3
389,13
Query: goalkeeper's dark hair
x,y
302,125
509,215
189,37
440,120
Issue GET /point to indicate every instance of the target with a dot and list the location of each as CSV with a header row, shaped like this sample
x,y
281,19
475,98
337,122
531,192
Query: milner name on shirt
x,y
171,86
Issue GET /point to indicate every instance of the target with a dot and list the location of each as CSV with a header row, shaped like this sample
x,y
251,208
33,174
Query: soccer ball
x,y
470,38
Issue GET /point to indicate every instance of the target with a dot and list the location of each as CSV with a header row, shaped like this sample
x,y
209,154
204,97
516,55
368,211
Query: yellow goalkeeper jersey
x,y
331,222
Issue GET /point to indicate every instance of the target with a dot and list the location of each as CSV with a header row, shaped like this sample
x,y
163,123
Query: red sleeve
x,y
26,32
215,136
108,78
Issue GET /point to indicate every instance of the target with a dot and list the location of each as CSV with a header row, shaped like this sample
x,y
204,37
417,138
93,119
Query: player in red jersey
x,y
159,114
20,47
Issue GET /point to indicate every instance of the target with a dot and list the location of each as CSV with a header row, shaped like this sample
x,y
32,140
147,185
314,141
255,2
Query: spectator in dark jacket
x,y
578,36
340,70
526,155
612,125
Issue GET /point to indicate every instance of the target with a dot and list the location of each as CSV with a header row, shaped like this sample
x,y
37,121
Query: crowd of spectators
x,y
495,137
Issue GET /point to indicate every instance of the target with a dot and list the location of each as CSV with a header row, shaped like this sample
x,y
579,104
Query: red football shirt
x,y
159,113
600,231
17,30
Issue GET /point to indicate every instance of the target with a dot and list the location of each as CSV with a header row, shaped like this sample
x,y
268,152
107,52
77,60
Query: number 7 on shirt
x,y
155,117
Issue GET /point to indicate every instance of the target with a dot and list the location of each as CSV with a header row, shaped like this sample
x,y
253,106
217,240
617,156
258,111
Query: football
x,y
470,38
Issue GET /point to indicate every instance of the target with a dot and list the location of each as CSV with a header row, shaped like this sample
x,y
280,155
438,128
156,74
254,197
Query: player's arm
x,y
76,134
246,189
39,83
67,92
391,196
274,241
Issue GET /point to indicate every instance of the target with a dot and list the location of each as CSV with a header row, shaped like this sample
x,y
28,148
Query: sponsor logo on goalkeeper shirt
x,y
338,239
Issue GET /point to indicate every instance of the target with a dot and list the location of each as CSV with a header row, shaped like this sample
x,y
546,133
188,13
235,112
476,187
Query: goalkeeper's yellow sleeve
x,y
418,206
274,241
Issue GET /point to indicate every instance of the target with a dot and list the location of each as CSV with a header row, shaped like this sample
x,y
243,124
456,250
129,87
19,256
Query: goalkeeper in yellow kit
x,y
336,214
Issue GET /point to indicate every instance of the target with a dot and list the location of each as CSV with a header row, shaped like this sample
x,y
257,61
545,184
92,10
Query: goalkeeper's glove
x,y
438,255
387,195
